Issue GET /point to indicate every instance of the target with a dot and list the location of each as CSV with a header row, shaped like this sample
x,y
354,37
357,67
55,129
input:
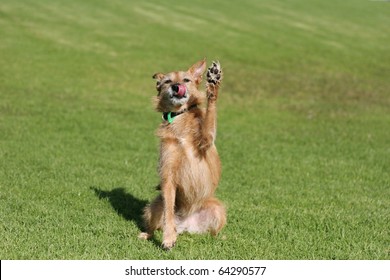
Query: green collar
x,y
170,116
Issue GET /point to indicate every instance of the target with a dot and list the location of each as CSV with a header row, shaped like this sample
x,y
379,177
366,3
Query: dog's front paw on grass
x,y
169,242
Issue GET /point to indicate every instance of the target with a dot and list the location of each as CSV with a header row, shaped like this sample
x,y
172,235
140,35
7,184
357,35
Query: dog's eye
x,y
186,80
167,82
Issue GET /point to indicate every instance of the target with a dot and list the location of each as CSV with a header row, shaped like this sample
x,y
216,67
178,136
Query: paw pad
x,y
214,73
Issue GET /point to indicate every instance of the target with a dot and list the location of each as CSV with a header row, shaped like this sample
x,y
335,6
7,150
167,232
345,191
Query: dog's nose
x,y
175,87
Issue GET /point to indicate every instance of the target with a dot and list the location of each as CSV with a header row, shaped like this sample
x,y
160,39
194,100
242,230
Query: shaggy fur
x,y
189,166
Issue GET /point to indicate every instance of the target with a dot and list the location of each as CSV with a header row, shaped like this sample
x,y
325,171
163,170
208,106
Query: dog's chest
x,y
187,146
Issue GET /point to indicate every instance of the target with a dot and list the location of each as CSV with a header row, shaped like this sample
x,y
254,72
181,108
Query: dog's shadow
x,y
125,204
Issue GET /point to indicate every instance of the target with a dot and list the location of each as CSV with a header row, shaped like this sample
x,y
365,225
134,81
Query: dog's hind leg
x,y
153,217
215,215
210,218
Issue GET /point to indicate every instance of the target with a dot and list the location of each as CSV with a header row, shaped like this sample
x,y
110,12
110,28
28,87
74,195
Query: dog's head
x,y
179,90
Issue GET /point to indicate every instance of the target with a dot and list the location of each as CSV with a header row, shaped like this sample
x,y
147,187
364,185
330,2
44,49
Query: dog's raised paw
x,y
214,73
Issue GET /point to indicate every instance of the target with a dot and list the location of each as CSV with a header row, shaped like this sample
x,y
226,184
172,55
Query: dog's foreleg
x,y
169,225
168,163
209,129
153,218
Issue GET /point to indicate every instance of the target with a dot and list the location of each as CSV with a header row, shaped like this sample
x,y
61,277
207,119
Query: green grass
x,y
304,126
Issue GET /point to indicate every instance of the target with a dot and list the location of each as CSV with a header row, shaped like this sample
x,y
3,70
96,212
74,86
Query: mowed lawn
x,y
303,126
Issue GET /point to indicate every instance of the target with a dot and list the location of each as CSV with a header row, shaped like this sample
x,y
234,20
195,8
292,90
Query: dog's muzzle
x,y
179,90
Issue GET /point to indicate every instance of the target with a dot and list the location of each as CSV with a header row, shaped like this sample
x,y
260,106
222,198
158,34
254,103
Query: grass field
x,y
303,135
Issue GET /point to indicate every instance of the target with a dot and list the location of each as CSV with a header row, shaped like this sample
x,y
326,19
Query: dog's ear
x,y
158,77
197,70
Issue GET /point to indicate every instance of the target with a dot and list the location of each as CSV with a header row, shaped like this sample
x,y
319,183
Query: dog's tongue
x,y
182,90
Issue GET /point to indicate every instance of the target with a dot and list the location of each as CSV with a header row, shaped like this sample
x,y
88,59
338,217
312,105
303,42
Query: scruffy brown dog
x,y
189,165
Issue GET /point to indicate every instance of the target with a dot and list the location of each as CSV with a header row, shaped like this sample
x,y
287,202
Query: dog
x,y
189,165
